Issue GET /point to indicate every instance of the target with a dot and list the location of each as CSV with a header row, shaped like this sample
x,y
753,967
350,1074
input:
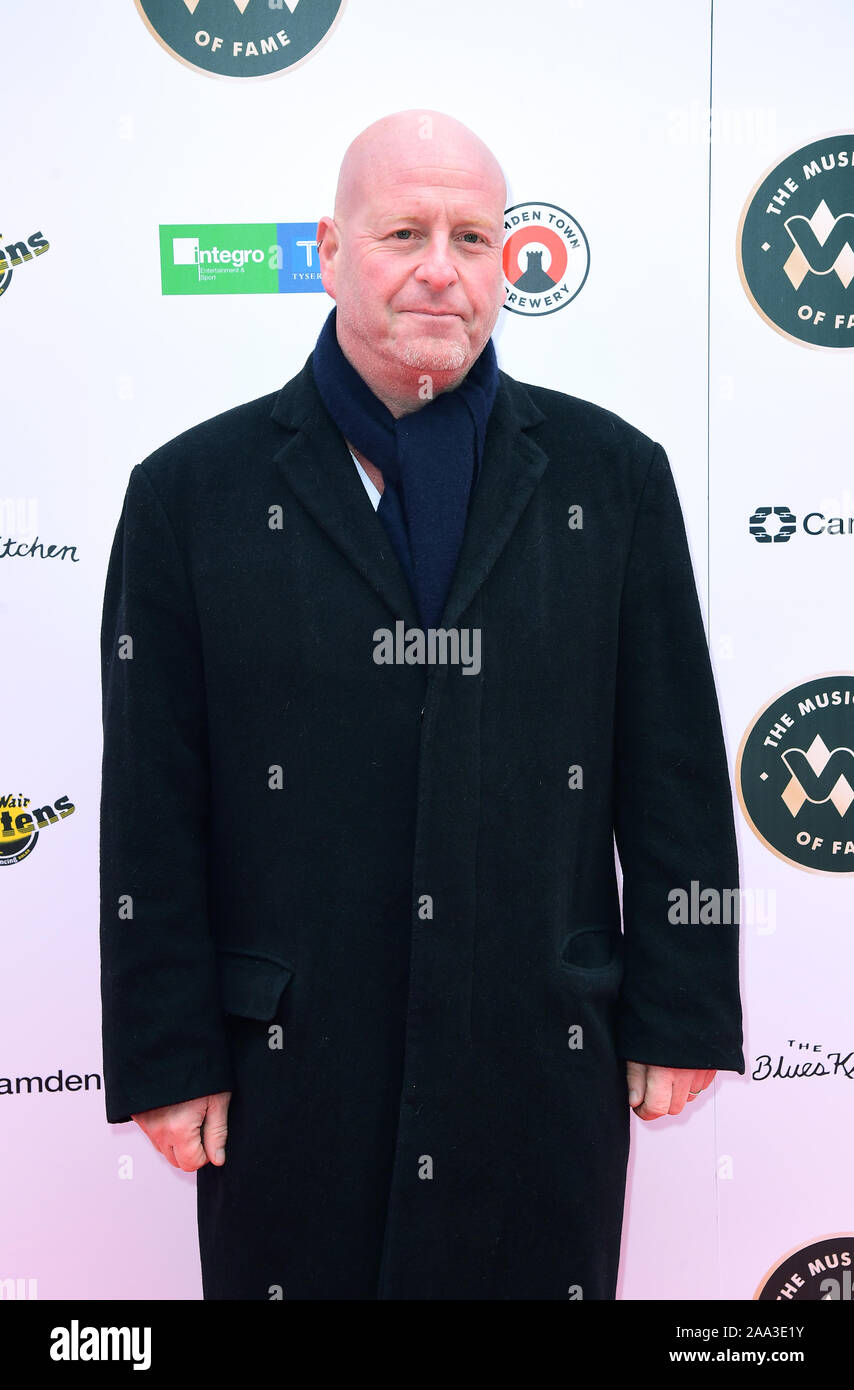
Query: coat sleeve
x,y
162,1024
673,815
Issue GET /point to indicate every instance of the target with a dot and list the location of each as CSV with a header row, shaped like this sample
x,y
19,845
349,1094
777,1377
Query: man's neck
x,y
404,392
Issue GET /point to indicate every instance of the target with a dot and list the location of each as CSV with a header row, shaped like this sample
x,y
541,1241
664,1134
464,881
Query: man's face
x,y
417,272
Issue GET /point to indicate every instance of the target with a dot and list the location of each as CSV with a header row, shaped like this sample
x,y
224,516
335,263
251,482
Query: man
x,y
362,958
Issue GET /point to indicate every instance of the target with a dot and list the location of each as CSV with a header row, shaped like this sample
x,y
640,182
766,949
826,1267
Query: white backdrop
x,y
603,110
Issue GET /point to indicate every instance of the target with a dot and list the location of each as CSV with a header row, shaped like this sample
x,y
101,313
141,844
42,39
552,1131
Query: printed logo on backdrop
x,y
546,258
241,38
57,1082
795,244
776,525
240,258
16,253
19,827
801,1060
819,1270
795,774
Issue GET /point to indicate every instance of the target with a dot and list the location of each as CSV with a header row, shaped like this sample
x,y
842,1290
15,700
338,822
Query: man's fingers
x,y
636,1078
179,1144
656,1098
215,1127
175,1130
189,1151
683,1082
699,1082
663,1090
665,1093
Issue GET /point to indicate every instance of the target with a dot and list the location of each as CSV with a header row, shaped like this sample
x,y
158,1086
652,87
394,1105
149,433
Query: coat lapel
x,y
317,466
511,467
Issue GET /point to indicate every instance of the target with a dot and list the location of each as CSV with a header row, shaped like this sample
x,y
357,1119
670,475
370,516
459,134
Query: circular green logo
x,y
795,244
240,38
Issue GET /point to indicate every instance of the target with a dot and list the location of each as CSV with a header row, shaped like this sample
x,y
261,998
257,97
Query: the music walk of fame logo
x,y
821,1269
795,774
240,38
546,258
795,244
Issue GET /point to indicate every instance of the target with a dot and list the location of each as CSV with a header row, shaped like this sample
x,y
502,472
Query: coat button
x,y
421,715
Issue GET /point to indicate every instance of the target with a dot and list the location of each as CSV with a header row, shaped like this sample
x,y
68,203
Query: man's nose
x,y
436,267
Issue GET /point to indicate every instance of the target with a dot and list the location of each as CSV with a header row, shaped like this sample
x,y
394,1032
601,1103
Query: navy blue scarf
x,y
429,459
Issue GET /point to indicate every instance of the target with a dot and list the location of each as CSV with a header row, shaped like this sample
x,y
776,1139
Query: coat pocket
x,y
593,950
251,985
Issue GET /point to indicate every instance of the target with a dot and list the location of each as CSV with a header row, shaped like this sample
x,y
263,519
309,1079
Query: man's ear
x,y
328,243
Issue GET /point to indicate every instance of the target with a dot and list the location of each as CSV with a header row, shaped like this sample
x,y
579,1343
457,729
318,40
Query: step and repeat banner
x,y
680,249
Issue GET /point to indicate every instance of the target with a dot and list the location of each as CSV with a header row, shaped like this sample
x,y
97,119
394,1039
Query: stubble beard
x,y
437,357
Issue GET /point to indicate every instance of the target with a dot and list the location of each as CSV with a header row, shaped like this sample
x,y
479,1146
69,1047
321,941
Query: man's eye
x,y
403,233
475,236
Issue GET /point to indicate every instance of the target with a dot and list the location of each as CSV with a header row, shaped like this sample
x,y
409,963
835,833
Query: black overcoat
x,y
378,901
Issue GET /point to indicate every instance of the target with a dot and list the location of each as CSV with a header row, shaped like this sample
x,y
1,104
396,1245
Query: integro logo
x,y
795,244
240,38
240,258
795,774
776,525
546,259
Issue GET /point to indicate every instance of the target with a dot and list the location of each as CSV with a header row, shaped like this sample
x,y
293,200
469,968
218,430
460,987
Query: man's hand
x,y
657,1091
189,1133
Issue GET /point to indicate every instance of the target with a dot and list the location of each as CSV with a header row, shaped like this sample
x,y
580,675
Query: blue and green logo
x,y
240,258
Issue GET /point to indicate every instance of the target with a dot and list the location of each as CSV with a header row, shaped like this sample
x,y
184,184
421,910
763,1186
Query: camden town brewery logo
x,y
821,1269
795,774
795,244
240,38
546,258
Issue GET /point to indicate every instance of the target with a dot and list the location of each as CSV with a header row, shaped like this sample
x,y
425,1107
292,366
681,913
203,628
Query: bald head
x,y
409,146
412,255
